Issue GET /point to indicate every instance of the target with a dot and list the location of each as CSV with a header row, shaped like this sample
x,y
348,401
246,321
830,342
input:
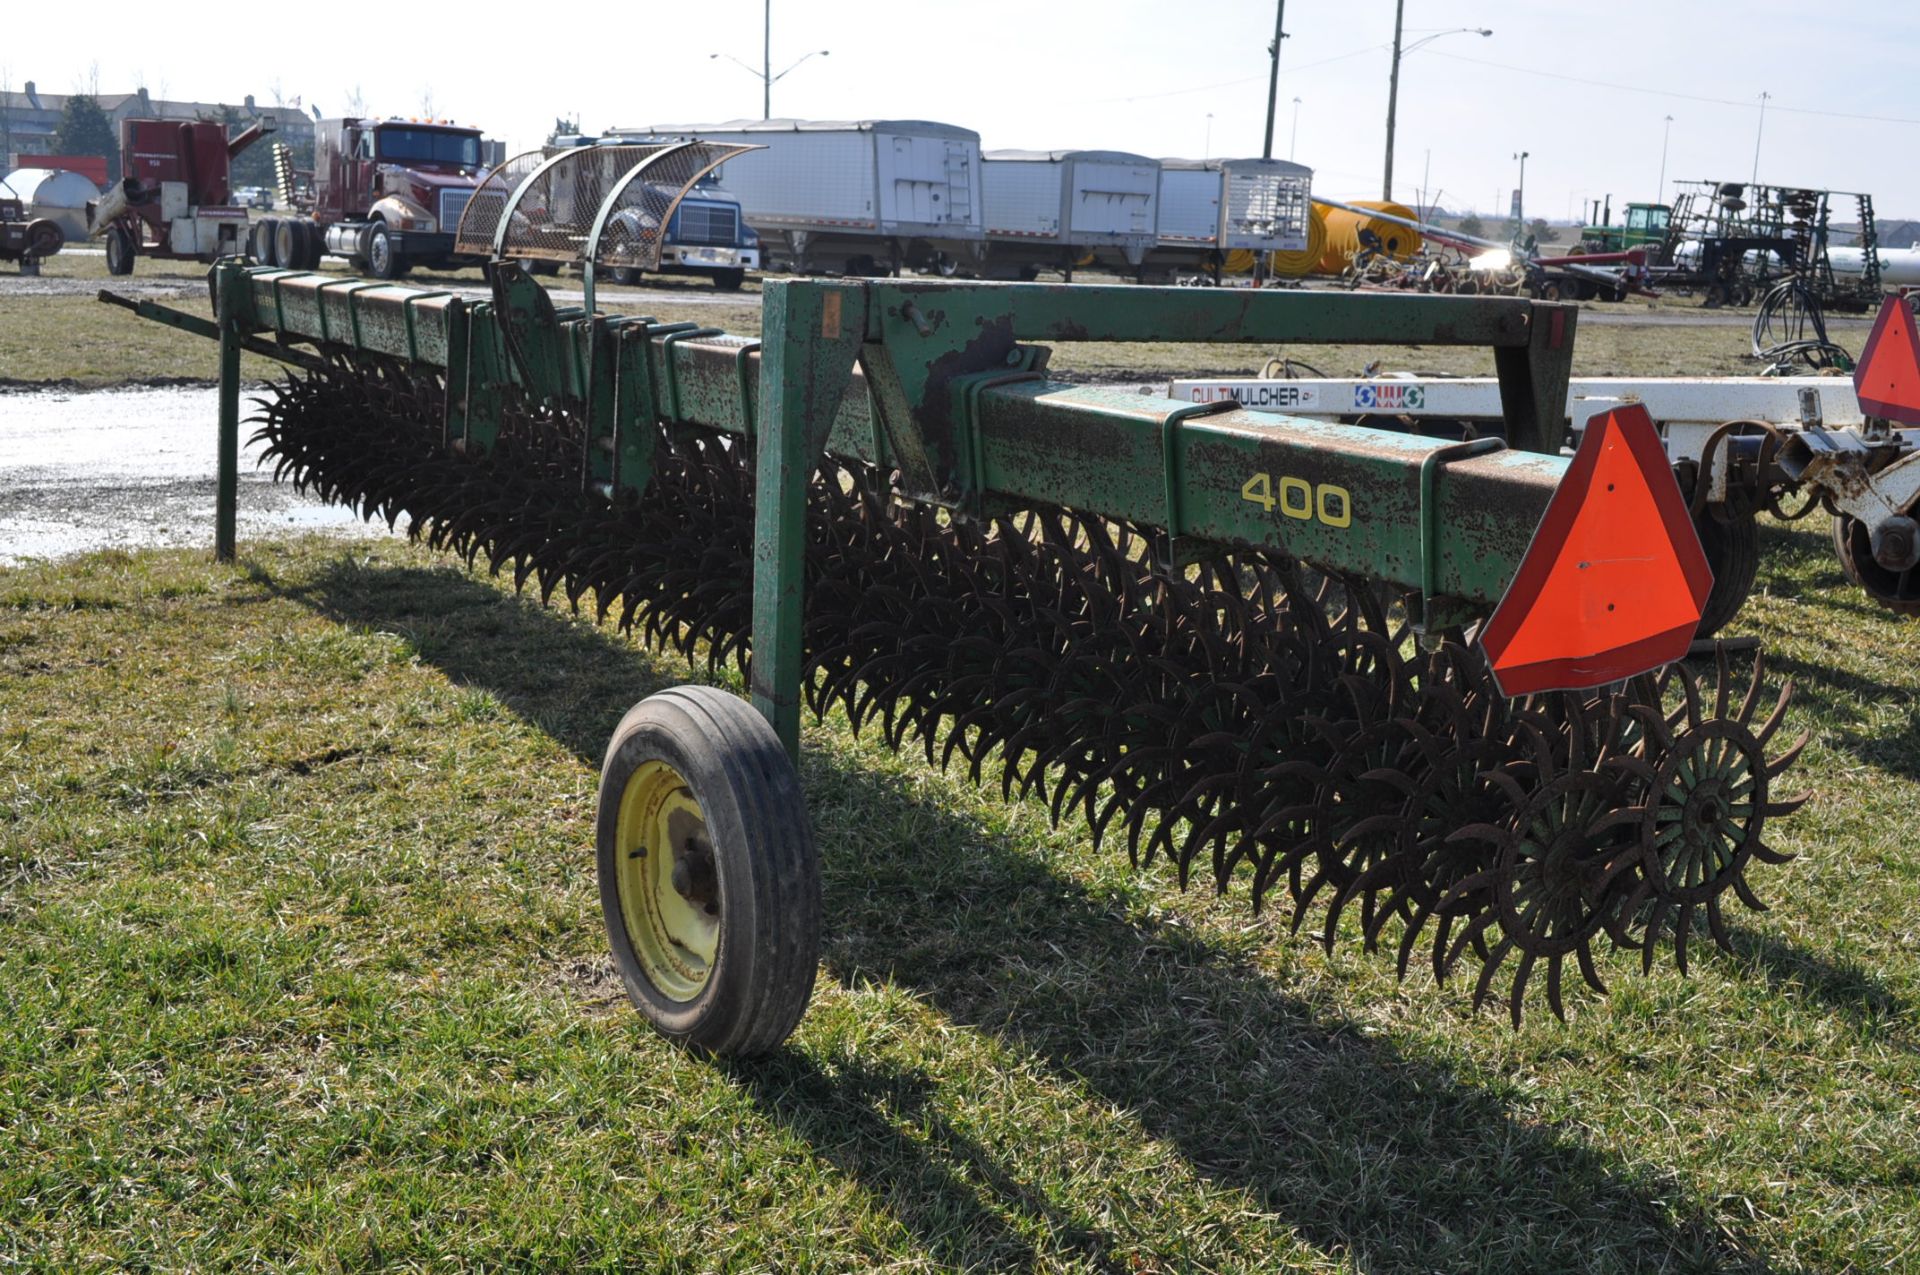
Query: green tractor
x,y
1644,224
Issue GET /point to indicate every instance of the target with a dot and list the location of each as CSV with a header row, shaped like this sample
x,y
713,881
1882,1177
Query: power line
x,y
1689,97
1221,84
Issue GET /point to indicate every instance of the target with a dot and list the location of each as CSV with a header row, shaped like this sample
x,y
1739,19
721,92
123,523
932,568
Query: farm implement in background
x,y
1739,446
1425,687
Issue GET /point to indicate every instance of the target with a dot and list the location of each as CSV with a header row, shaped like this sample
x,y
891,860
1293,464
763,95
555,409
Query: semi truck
x,y
1058,209
386,195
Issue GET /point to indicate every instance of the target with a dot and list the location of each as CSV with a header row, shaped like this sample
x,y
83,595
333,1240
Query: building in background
x,y
30,120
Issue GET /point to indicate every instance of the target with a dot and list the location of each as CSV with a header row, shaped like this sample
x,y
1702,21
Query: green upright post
x,y
810,335
228,285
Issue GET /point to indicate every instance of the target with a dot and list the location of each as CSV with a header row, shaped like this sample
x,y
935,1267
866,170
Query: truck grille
x,y
452,204
716,224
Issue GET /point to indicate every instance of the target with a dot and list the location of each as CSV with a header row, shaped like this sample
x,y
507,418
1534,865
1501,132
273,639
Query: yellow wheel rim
x,y
668,883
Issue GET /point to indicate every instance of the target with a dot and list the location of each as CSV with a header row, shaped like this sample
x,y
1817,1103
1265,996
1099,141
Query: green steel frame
x,y
938,382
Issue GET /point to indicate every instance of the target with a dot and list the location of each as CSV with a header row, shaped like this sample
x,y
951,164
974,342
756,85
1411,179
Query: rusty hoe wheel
x,y
708,878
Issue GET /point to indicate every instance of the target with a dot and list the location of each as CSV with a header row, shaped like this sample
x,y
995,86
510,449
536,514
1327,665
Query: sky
x,y
1583,89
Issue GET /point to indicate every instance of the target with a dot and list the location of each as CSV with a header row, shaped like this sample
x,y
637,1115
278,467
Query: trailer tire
x,y
289,244
315,246
120,251
1733,551
709,881
628,275
729,280
382,261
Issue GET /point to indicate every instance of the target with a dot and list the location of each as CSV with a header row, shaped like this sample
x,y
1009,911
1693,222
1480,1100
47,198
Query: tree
x,y
84,130
1541,231
1471,225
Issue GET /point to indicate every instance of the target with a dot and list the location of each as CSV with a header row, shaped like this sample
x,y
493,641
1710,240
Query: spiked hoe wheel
x,y
708,878
1257,710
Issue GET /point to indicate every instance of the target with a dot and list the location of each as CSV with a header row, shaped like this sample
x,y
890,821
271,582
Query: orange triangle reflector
x,y
1887,378
1615,579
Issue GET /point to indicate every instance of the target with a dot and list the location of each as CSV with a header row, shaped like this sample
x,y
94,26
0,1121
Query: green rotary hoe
x,y
1428,692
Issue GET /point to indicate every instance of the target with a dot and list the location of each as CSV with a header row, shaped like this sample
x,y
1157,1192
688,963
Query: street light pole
x,y
1273,76
1393,97
1393,80
1665,134
1207,149
1295,139
1757,133
766,66
1520,195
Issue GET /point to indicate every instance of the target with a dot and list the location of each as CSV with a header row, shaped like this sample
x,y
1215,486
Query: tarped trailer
x,y
1055,208
857,196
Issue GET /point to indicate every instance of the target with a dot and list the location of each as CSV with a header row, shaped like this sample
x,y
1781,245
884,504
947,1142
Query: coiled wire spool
x,y
1286,265
1343,234
1301,261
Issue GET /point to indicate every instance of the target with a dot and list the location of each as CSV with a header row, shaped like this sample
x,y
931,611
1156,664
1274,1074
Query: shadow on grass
x,y
1391,1161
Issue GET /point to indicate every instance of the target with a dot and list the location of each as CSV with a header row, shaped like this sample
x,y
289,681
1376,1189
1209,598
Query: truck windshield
x,y
429,146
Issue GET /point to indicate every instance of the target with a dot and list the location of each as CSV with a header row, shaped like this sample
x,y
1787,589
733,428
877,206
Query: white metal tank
x,y
59,196
1899,267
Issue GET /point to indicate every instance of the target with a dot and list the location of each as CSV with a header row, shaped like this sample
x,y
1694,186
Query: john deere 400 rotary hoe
x,y
1425,691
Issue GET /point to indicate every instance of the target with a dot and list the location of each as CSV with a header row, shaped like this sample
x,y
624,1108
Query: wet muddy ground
x,y
128,468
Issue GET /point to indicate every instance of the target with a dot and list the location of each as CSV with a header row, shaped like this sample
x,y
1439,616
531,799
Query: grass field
x,y
302,967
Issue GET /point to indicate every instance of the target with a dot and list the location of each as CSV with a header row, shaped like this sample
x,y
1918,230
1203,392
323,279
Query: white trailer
x,y
858,196
1210,207
1057,208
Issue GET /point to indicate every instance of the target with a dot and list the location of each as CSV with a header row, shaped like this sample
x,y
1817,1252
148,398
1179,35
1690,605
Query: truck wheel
x,y
629,275
709,881
314,247
729,280
270,242
290,244
382,261
120,251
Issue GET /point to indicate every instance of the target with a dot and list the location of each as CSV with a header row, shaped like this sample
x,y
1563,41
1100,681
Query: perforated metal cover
x,y
489,203
544,205
644,203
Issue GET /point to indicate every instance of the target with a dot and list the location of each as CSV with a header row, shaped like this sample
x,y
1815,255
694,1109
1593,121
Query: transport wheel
x,y
1895,589
629,275
729,280
382,261
1733,551
270,242
120,251
709,881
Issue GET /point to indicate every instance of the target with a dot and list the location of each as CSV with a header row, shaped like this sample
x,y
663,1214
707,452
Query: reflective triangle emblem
x,y
1887,378
1615,579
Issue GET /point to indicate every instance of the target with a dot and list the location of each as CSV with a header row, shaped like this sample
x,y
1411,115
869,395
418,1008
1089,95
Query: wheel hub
x,y
668,883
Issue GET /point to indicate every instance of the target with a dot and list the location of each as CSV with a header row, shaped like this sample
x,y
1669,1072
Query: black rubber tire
x,y
289,244
1733,551
120,251
729,280
627,275
382,261
769,873
313,247
270,241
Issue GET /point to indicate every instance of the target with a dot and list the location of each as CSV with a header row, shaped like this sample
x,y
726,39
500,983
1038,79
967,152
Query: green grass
x,y
301,967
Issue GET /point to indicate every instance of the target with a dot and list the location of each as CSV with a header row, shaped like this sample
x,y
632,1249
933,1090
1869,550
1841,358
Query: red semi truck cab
x,y
388,194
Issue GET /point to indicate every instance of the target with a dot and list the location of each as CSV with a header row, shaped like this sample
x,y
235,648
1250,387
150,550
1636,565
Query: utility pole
x,y
1757,133
1520,195
1273,76
766,66
1393,96
1295,139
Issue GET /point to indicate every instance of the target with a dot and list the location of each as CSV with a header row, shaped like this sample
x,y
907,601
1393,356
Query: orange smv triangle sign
x,y
1887,379
1615,579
